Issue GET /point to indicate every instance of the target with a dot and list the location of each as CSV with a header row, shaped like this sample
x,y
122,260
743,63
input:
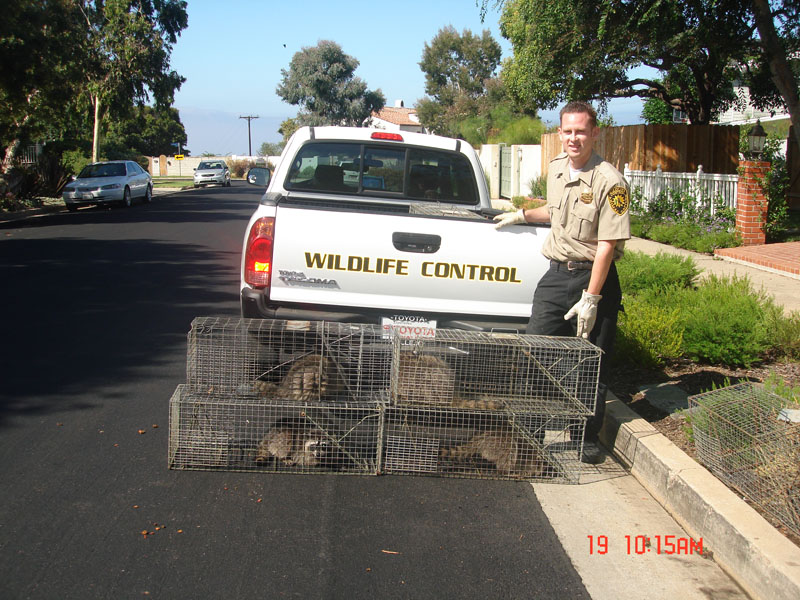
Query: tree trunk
x,y
11,152
774,51
96,137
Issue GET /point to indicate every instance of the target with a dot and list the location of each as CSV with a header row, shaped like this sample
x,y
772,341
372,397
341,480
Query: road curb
x,y
21,215
761,560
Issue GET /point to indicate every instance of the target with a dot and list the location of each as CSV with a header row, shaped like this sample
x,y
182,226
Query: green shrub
x,y
784,333
679,219
527,202
648,334
706,243
74,161
639,271
524,130
10,202
240,167
538,187
724,321
778,386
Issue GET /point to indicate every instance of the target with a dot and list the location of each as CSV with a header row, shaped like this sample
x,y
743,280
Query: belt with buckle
x,y
573,265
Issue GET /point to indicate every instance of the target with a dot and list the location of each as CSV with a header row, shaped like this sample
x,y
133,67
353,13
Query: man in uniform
x,y
587,208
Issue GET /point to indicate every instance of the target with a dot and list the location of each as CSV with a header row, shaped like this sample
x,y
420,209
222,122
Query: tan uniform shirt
x,y
592,207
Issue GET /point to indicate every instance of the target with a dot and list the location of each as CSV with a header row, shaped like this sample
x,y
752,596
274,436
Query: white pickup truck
x,y
369,226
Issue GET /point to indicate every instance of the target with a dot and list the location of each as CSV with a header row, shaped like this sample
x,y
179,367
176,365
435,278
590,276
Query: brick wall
x,y
751,204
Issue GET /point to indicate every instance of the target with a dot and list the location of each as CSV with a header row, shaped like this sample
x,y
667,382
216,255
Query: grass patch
x,y
172,182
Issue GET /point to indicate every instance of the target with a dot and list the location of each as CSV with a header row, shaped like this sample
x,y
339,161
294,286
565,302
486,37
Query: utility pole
x,y
249,144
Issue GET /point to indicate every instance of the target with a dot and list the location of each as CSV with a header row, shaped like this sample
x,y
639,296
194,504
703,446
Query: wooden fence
x,y
677,148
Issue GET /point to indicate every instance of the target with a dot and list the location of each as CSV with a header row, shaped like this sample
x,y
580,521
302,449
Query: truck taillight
x,y
258,255
381,135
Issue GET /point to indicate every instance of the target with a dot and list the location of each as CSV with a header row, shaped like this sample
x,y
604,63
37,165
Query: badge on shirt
x,y
586,197
618,199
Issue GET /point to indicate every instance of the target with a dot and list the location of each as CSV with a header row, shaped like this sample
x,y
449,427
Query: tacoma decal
x,y
296,278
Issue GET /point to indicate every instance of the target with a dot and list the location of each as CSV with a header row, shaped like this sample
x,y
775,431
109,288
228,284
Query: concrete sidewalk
x,y
757,556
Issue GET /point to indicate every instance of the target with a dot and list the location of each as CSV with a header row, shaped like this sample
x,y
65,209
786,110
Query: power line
x,y
249,144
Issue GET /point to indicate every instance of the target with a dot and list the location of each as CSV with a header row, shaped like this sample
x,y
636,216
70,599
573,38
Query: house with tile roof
x,y
396,118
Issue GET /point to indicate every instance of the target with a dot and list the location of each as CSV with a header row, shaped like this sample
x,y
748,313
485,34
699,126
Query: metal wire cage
x,y
556,376
750,439
296,361
440,209
320,397
482,444
247,433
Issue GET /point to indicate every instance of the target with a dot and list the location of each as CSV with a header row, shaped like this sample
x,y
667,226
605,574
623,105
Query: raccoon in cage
x,y
296,442
428,379
504,449
312,377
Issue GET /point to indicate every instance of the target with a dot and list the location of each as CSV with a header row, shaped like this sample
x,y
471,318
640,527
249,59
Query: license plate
x,y
87,196
408,327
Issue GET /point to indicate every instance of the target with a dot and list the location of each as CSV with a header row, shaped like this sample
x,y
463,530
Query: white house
x,y
397,118
744,113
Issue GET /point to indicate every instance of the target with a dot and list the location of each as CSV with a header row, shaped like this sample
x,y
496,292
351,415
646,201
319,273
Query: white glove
x,y
510,218
586,311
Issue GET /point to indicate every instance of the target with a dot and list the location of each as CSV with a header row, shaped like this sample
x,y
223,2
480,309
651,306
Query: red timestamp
x,y
644,544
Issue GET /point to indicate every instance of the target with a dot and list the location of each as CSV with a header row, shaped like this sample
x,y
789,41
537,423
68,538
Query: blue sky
x,y
232,54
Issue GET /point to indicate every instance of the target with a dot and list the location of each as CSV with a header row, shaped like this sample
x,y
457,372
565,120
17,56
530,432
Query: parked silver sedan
x,y
114,181
212,171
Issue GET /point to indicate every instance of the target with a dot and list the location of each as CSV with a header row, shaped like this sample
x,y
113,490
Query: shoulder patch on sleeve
x,y
618,199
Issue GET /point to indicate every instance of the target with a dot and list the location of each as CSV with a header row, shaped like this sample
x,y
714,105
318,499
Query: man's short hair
x,y
578,106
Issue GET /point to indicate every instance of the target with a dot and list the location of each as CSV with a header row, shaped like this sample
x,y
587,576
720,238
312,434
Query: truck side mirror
x,y
259,176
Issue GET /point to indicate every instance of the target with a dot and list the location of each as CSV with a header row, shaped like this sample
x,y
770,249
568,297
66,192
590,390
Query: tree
x,y
777,48
288,127
321,80
63,58
460,83
568,49
459,64
656,112
149,131
43,49
271,149
129,46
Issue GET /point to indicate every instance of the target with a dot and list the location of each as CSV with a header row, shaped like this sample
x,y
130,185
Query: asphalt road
x,y
97,307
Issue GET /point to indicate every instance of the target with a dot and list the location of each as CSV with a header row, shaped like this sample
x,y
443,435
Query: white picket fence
x,y
701,185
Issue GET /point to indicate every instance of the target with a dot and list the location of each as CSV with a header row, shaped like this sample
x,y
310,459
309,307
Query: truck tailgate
x,y
405,263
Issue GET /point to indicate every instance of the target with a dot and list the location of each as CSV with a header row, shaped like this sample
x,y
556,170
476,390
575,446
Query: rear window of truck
x,y
381,169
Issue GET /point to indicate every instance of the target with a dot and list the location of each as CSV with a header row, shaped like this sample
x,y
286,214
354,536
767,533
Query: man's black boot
x,y
592,454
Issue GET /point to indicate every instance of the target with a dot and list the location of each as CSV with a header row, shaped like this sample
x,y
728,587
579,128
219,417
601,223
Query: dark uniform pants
x,y
557,291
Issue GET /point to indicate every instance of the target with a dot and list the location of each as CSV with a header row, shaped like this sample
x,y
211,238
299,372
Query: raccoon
x,y
294,442
311,377
509,454
424,379
268,389
428,379
478,402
